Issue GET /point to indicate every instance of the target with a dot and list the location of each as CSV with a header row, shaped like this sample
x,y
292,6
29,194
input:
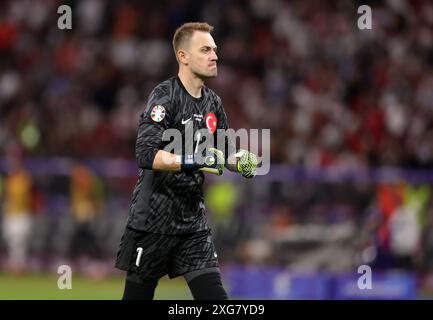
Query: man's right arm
x,y
152,124
166,161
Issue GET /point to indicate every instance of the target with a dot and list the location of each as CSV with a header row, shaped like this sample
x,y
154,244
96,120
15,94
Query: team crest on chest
x,y
211,122
158,113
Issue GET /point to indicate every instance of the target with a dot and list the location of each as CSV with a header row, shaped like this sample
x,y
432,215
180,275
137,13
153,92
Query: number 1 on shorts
x,y
140,252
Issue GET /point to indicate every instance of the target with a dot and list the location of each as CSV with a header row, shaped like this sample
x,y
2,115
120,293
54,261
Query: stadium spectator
x,y
85,207
17,217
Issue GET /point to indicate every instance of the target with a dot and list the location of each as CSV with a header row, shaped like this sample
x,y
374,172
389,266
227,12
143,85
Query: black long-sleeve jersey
x,y
173,202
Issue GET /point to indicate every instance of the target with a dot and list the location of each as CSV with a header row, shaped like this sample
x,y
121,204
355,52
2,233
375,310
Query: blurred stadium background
x,y
351,119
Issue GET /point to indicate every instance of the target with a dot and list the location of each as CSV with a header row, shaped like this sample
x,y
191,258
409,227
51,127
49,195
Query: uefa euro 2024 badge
x,y
158,113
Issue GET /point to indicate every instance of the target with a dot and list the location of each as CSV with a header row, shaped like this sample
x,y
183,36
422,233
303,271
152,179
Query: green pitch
x,y
44,287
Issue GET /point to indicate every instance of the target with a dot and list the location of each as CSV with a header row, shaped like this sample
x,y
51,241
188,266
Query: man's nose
x,y
214,57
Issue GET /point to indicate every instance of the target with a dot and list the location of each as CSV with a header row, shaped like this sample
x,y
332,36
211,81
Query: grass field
x,y
44,287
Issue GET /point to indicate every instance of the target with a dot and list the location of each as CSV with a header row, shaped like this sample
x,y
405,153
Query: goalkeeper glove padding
x,y
212,162
246,163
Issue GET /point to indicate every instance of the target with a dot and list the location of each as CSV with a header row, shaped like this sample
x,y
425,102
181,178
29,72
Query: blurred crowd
x,y
333,96
329,92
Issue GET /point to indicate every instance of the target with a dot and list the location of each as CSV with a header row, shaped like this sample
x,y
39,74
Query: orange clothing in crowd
x,y
82,194
17,190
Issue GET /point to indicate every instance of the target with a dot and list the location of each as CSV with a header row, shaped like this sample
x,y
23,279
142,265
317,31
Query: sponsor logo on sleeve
x,y
158,113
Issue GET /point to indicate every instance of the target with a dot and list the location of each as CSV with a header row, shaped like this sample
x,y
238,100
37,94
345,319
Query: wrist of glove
x,y
212,162
246,163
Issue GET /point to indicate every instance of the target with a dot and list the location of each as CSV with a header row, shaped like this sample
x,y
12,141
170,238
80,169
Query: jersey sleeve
x,y
223,124
152,123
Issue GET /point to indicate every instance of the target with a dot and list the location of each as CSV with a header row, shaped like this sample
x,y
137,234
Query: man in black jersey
x,y
167,230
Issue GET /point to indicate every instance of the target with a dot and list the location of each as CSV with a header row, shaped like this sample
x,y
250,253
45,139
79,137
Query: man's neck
x,y
191,83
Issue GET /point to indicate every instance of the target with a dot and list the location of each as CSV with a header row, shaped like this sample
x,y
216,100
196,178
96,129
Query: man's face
x,y
201,53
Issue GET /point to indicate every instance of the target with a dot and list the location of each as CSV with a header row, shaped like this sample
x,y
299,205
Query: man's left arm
x,y
241,160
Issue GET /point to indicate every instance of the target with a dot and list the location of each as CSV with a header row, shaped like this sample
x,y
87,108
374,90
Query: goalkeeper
x,y
167,230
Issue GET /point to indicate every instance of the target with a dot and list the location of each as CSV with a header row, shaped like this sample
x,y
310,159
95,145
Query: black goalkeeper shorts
x,y
152,256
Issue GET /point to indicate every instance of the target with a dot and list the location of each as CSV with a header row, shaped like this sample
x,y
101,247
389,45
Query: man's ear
x,y
182,56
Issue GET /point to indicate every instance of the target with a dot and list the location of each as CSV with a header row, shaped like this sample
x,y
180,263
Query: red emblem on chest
x,y
211,122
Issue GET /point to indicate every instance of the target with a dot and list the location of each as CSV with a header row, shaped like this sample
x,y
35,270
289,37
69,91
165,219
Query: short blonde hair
x,y
184,33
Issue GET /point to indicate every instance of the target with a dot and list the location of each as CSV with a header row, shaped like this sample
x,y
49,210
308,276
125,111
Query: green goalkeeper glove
x,y
246,163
